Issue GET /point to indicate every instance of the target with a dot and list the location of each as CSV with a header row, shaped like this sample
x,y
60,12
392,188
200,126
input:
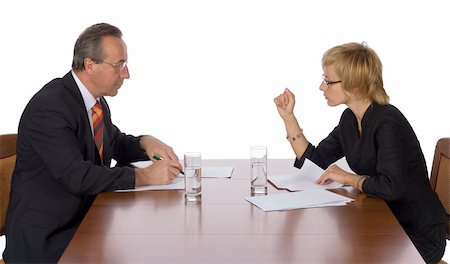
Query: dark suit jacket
x,y
389,152
58,171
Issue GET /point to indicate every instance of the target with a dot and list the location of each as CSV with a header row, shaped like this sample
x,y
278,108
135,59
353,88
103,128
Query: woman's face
x,y
331,87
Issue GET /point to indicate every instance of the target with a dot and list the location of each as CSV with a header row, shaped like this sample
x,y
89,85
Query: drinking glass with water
x,y
193,176
258,167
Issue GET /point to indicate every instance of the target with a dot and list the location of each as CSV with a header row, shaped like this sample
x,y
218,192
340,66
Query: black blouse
x,y
389,153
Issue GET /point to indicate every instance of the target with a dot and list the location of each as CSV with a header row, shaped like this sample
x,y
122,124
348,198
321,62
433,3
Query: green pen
x,y
159,158
156,157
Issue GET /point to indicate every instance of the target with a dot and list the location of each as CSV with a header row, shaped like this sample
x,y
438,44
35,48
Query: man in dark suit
x,y
60,169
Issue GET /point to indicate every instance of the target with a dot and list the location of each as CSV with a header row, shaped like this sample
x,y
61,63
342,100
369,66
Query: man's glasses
x,y
329,83
120,66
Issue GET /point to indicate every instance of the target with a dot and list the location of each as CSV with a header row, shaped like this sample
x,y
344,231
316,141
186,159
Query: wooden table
x,y
158,227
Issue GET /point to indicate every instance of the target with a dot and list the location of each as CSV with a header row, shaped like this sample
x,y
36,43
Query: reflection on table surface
x,y
159,227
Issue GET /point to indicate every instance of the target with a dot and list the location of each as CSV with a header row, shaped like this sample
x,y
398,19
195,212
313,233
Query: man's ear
x,y
89,66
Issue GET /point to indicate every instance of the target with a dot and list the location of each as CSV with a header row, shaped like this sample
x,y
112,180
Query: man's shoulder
x,y
59,83
55,91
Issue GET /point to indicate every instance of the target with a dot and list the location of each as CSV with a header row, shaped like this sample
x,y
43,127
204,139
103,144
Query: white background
x,y
204,73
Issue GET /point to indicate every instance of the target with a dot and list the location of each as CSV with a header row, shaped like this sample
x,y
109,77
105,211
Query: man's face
x,y
110,73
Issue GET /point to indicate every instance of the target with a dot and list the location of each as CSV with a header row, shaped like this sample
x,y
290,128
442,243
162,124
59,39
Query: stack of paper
x,y
295,200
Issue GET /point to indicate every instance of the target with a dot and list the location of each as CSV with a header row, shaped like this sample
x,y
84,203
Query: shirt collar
x,y
89,100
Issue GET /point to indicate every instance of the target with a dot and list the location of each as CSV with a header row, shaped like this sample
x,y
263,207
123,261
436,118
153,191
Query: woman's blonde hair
x,y
360,70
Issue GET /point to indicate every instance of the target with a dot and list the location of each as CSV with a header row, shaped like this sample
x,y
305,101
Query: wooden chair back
x,y
7,164
440,175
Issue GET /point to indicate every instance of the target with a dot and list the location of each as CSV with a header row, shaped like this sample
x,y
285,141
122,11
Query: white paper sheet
x,y
217,172
295,200
178,183
207,172
305,178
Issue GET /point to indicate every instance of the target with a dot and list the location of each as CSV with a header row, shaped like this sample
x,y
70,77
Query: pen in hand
x,y
159,158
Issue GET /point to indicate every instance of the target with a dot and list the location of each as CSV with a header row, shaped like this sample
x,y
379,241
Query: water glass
x,y
258,167
193,176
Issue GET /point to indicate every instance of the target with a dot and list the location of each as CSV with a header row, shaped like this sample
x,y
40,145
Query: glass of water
x,y
258,167
193,176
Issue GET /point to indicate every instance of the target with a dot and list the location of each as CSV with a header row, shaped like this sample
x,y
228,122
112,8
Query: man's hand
x,y
161,172
155,147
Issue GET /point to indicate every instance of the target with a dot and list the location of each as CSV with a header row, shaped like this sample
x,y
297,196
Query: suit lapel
x,y
106,132
74,92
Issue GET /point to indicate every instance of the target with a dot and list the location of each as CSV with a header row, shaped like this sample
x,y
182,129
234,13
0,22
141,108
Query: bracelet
x,y
361,178
296,137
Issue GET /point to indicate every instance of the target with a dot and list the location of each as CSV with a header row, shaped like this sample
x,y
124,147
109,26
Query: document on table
x,y
296,200
178,183
305,177
207,172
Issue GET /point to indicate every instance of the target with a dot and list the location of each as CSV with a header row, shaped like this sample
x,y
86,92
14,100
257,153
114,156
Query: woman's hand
x,y
285,103
334,173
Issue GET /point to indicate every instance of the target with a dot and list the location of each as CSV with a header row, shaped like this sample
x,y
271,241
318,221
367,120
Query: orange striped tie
x,y
97,120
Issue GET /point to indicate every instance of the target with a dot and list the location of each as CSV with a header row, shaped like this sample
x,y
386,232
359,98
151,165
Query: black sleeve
x,y
329,149
394,148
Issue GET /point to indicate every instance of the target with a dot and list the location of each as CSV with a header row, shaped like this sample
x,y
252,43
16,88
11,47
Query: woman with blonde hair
x,y
378,142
